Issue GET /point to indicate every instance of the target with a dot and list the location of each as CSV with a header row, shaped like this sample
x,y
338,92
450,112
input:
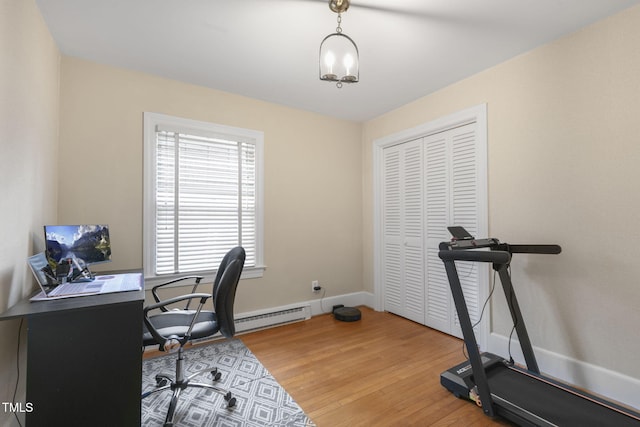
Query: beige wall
x,y
312,176
564,150
29,74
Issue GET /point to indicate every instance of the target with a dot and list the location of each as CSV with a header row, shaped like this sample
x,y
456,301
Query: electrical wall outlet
x,y
315,286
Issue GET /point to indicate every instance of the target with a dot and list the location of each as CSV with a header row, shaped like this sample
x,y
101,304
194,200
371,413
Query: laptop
x,y
100,285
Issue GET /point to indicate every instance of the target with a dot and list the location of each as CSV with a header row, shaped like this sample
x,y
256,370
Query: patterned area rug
x,y
261,401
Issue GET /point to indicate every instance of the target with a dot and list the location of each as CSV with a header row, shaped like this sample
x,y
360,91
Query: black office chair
x,y
179,326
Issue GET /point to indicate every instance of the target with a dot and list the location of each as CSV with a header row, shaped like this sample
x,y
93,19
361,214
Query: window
x,y
203,196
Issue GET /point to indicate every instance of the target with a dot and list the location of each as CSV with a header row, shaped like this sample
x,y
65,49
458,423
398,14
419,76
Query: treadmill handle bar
x,y
535,249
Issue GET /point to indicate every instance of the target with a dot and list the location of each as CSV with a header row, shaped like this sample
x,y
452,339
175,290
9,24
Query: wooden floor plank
x,y
380,371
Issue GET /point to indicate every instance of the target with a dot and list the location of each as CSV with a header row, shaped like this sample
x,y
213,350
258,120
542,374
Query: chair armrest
x,y
154,290
163,304
161,339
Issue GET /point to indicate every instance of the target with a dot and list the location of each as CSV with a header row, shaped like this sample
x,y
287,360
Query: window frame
x,y
153,121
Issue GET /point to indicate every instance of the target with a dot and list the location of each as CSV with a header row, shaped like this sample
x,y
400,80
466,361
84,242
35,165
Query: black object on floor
x,y
347,314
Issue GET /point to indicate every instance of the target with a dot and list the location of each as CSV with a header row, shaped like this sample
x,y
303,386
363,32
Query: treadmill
x,y
520,395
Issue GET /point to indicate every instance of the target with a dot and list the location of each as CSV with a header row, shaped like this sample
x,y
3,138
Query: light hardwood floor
x,y
383,370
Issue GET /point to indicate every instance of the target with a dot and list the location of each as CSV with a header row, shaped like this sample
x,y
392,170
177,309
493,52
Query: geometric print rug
x,y
260,400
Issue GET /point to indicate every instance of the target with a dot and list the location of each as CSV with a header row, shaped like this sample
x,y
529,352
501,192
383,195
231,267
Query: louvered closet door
x,y
403,230
451,198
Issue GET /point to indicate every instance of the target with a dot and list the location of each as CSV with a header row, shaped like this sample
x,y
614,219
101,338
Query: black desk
x,y
84,359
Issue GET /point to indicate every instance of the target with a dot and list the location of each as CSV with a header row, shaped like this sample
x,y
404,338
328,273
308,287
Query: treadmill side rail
x,y
470,342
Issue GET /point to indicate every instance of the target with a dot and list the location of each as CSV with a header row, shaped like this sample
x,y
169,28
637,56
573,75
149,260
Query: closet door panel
x,y
464,178
403,271
464,211
413,231
392,230
437,202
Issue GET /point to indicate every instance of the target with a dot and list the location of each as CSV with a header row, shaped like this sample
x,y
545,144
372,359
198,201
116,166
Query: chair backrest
x,y
225,289
232,254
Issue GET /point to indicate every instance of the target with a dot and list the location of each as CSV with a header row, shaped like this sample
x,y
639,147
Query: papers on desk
x,y
104,284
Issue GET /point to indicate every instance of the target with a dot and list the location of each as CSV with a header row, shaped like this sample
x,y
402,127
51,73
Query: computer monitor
x,y
86,244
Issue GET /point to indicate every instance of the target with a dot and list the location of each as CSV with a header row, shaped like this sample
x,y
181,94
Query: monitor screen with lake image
x,y
87,244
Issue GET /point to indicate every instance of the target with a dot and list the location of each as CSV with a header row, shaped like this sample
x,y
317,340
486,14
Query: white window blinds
x,y
205,199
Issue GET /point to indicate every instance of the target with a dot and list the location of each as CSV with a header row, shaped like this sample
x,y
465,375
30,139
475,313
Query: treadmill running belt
x,y
558,406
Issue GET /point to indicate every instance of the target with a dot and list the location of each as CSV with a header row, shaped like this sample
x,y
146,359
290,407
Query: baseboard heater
x,y
267,319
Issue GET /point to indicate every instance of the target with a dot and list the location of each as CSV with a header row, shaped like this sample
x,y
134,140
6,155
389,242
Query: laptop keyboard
x,y
76,288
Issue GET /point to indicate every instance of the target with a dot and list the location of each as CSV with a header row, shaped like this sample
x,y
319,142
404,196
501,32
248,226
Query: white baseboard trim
x,y
601,381
324,305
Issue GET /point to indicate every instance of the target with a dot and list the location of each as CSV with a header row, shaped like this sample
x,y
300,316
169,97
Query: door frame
x,y
477,114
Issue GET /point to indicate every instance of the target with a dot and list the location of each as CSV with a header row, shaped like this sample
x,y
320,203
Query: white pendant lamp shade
x,y
339,59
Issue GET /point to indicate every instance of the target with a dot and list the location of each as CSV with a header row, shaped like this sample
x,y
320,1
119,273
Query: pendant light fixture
x,y
339,59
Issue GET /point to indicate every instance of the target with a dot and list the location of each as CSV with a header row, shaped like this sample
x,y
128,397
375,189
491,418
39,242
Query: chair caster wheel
x,y
216,375
231,401
161,381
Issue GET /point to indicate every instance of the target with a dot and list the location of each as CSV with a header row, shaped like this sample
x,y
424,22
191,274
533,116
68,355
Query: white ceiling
x,y
268,49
